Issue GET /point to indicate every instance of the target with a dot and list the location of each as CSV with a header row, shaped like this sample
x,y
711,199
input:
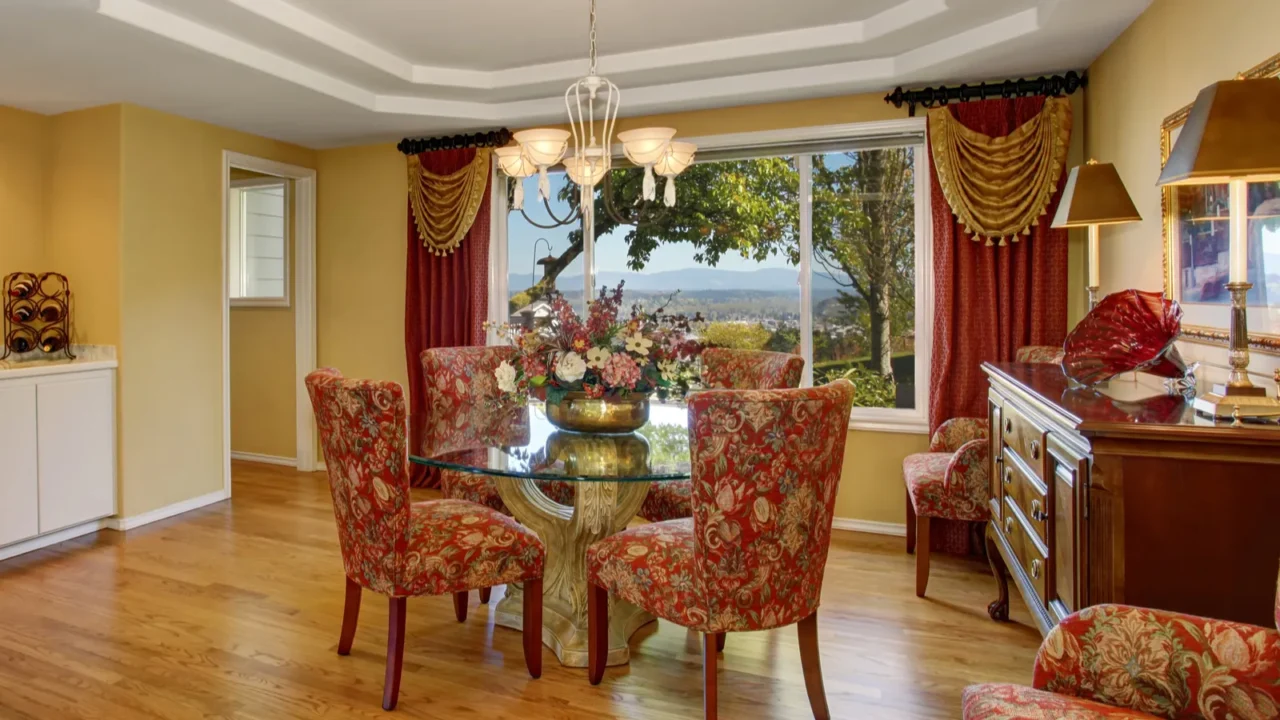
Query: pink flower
x,y
621,371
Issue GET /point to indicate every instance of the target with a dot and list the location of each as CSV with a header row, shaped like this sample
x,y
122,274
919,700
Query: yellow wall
x,y
24,142
263,387
1154,68
171,370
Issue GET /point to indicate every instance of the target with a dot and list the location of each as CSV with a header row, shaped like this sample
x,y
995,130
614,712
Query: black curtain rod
x,y
930,97
493,138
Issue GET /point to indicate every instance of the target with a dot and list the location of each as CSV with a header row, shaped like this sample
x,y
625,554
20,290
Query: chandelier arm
x,y
556,222
607,191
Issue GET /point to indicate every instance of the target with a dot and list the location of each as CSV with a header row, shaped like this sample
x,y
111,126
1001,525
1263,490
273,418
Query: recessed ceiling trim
x,y
835,77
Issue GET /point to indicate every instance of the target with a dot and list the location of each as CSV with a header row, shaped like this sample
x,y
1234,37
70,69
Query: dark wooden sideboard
x,y
1124,495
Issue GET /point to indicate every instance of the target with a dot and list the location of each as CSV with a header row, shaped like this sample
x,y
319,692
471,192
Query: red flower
x,y
581,342
594,390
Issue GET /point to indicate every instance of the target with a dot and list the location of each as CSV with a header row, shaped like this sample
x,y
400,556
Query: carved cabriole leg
x,y
600,510
999,608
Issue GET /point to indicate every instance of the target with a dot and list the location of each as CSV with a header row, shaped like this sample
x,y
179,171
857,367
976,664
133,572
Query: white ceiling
x,y
326,73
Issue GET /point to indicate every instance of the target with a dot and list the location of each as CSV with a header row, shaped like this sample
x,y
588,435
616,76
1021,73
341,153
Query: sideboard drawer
x,y
1034,564
1029,495
1025,437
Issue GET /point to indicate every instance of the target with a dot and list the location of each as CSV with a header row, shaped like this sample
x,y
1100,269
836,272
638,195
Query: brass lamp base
x,y
1228,402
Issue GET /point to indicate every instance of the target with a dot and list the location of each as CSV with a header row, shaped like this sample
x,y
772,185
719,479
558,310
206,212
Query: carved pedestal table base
x,y
600,510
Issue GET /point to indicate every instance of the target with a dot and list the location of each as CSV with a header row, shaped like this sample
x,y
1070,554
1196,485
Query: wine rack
x,y
37,314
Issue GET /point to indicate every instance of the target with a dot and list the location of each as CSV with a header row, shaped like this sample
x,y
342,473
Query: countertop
x,y
88,357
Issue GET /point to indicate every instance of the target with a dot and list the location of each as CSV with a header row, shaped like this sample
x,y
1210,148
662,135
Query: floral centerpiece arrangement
x,y
606,358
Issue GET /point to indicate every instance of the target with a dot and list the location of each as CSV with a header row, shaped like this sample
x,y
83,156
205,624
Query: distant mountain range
x,y
690,280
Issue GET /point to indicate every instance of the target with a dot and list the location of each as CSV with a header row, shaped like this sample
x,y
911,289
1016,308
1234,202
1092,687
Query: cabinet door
x,y
19,503
77,449
1068,487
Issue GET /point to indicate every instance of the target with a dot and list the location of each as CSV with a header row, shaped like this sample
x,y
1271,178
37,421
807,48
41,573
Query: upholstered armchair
x,y
949,481
1051,354
730,369
766,465
402,549
1114,661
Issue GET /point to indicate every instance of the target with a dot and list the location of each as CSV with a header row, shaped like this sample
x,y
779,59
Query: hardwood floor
x,y
235,611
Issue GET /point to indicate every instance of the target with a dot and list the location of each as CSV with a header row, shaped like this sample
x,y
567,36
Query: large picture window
x,y
815,245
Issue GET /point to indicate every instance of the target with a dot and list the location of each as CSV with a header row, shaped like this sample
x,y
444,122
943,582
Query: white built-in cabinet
x,y
57,452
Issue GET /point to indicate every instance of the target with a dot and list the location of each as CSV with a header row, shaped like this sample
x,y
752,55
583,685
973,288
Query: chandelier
x,y
592,104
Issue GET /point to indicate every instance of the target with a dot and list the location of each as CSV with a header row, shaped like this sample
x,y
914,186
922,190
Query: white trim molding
x,y
264,459
53,538
122,524
869,526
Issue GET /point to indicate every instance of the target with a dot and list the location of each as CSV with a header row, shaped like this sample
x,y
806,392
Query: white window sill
x,y
260,302
905,425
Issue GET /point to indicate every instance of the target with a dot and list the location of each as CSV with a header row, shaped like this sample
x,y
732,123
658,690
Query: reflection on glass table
x,y
611,474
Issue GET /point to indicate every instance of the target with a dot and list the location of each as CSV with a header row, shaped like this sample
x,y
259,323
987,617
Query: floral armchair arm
x,y
1165,664
969,468
954,433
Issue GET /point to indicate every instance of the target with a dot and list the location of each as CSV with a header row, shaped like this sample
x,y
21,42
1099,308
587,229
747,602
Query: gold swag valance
x,y
445,206
999,187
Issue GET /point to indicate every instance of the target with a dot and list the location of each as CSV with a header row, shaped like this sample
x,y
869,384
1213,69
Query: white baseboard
x,y
321,467
146,518
869,526
267,459
53,538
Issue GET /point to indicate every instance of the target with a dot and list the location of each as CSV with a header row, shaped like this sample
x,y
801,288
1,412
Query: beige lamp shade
x,y
512,161
646,146
678,157
1094,195
586,172
1233,131
543,146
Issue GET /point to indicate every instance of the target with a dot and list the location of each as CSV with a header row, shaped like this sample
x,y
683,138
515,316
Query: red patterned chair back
x,y
766,467
461,398
751,369
362,433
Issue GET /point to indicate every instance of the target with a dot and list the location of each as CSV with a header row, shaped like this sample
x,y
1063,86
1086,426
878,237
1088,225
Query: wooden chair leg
x,y
911,525
812,664
710,701
395,653
460,605
720,638
533,627
922,555
484,595
350,616
597,632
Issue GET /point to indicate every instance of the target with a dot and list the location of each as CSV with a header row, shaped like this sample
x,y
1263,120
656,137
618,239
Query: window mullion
x,y
806,266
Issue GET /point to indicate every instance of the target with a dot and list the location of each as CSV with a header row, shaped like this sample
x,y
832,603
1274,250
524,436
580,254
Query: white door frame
x,y
304,307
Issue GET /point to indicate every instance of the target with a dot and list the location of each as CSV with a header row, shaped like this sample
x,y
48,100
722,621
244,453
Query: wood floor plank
x,y
233,612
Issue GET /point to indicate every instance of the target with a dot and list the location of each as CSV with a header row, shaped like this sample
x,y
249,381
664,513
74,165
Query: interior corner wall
x,y
171,303
1157,66
24,143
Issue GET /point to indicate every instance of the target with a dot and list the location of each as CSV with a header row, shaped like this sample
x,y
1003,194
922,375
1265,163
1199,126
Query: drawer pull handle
x,y
1008,476
1008,427
1008,525
1035,569
1035,450
1037,513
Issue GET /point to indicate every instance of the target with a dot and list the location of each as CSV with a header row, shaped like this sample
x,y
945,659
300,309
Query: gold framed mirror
x,y
1194,224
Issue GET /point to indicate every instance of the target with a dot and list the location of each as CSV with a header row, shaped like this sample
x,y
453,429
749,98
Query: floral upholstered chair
x,y
402,549
734,370
1051,354
462,411
1113,661
949,481
766,466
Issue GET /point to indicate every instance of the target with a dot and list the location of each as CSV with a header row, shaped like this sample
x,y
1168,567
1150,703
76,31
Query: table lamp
x,y
1232,136
1093,197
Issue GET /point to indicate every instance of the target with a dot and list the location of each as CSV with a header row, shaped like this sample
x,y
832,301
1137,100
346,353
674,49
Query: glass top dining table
x,y
610,476
657,452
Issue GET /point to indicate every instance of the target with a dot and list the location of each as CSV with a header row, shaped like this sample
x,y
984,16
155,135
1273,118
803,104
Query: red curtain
x,y
446,297
988,300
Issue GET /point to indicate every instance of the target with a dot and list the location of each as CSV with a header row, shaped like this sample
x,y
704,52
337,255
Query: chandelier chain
x,y
593,37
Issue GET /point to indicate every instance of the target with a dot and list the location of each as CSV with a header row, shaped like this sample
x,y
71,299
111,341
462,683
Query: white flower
x,y
571,367
639,344
597,357
506,376
669,369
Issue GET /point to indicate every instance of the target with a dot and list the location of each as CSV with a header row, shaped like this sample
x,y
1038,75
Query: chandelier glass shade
x,y
592,104
513,162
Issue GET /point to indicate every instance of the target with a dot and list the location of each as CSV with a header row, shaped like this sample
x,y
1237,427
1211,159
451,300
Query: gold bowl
x,y
623,455
580,413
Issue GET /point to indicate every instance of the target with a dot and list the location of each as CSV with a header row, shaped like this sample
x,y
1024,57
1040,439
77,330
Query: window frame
x,y
236,249
899,420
